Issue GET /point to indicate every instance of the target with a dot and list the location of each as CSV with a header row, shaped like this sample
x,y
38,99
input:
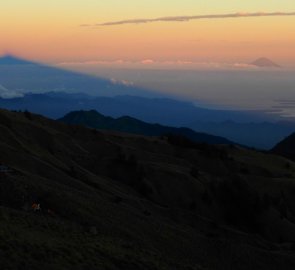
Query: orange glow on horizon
x,y
53,37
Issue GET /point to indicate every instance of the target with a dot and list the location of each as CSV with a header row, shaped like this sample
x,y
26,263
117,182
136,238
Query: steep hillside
x,y
286,147
262,135
93,119
115,201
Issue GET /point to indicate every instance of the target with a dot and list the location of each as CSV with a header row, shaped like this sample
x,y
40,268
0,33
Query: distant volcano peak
x,y
265,62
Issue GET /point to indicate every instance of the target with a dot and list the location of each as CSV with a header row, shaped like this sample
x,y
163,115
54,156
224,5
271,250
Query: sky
x,y
63,31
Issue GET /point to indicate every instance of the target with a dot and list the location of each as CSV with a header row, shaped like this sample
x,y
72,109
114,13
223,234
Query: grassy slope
x,y
132,202
286,147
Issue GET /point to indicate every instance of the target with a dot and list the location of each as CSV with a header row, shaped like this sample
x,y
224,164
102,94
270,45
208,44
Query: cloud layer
x,y
7,94
197,17
175,64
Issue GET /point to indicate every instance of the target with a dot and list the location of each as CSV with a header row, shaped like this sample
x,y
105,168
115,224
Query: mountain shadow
x,y
25,76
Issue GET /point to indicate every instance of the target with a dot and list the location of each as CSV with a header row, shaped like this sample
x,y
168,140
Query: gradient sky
x,y
50,31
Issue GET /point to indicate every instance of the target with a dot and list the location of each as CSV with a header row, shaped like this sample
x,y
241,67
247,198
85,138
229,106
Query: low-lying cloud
x,y
196,17
121,82
175,64
7,94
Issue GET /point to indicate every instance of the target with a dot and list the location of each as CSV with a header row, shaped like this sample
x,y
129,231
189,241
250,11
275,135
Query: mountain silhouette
x,y
286,147
93,119
265,62
250,128
261,135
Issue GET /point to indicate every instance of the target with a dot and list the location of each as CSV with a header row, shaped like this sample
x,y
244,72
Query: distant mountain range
x,y
248,128
265,62
93,119
53,92
263,135
162,110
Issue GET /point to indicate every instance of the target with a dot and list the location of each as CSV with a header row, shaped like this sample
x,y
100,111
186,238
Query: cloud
x,y
147,61
121,82
154,64
196,17
93,62
6,94
244,65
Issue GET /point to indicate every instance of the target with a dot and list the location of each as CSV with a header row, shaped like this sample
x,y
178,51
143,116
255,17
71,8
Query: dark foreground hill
x,y
286,147
93,119
114,201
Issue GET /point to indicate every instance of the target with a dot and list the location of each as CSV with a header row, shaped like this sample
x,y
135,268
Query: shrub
x,y
195,172
117,199
28,115
128,171
244,170
192,206
179,140
206,198
287,166
242,206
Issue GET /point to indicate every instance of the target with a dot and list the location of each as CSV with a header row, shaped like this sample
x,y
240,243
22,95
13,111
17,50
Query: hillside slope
x,y
117,201
286,147
263,135
93,119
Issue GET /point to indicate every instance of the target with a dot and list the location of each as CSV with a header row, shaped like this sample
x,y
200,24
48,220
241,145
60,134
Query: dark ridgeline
x,y
93,119
245,128
79,198
286,147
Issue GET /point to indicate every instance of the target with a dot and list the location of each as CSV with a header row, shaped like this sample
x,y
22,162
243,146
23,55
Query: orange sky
x,y
51,32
